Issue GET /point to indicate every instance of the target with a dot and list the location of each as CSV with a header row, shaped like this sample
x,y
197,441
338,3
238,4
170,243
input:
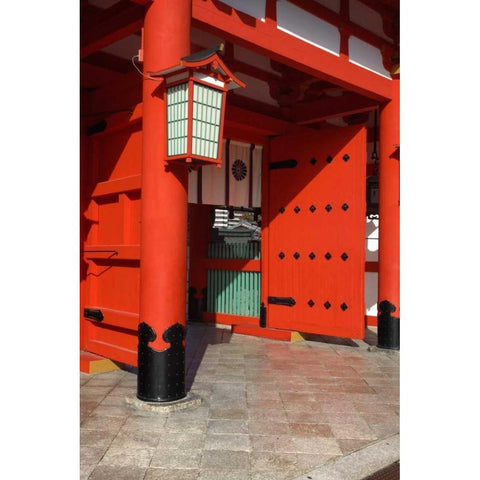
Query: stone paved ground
x,y
271,410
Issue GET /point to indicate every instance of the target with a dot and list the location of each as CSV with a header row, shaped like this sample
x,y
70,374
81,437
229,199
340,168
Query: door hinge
x,y
93,314
290,163
287,301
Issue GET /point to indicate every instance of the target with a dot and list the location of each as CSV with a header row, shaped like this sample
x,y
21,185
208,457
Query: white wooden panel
x,y
309,28
256,89
256,60
239,187
367,18
255,8
366,56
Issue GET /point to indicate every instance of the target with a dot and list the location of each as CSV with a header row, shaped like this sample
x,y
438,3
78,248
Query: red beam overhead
x,y
264,125
266,39
330,107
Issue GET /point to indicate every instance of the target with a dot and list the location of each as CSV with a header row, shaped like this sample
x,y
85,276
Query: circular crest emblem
x,y
239,170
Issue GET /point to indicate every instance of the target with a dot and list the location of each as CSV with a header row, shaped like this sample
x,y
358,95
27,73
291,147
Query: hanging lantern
x,y
195,96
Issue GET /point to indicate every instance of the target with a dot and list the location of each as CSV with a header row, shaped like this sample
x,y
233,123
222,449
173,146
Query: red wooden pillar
x,y
389,231
163,261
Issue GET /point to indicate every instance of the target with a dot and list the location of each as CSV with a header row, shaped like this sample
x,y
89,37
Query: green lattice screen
x,y
233,292
207,105
177,113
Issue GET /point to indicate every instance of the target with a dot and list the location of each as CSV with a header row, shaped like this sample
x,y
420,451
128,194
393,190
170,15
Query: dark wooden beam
x,y
254,105
109,62
111,25
92,76
117,95
259,123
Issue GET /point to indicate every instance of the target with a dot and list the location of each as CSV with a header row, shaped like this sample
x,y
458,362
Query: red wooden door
x,y
111,246
316,225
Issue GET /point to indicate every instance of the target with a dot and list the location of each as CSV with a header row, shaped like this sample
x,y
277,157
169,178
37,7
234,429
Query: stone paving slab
x,y
270,410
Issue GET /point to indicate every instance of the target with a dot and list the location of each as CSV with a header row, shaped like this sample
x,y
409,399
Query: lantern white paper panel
x,y
177,112
207,111
309,28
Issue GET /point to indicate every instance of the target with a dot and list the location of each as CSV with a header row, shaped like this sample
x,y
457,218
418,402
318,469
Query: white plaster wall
x,y
309,28
367,56
255,8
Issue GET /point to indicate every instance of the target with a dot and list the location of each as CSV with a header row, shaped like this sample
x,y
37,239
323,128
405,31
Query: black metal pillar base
x,y
161,374
388,331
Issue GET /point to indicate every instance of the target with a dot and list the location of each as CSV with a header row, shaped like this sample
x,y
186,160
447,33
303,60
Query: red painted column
x,y
163,262
389,226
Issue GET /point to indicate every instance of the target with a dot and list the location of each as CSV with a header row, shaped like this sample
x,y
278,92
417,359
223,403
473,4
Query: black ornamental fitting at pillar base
x,y
161,374
388,331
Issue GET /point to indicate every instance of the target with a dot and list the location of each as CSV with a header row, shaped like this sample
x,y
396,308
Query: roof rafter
x,y
329,107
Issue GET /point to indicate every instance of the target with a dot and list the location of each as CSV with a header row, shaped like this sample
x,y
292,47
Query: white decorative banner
x,y
239,174
257,176
244,178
